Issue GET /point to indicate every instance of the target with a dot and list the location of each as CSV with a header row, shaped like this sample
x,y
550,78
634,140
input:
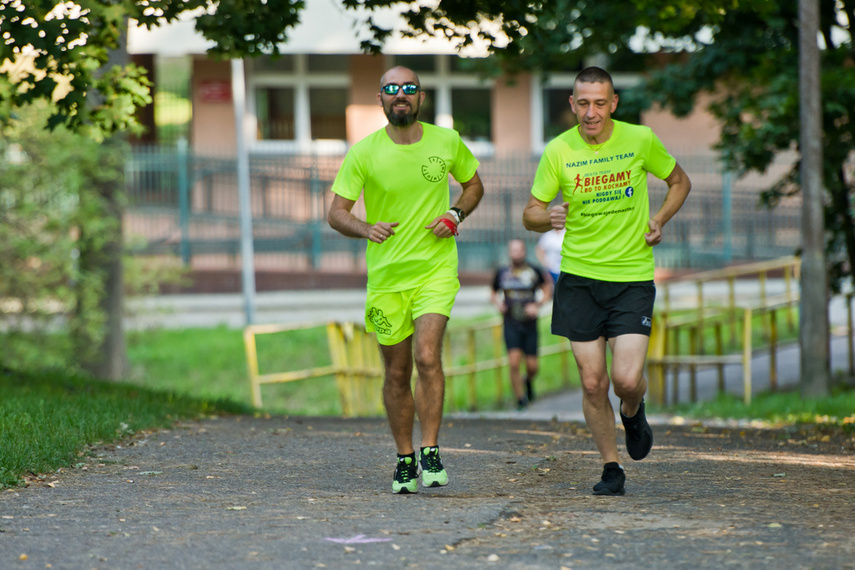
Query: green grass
x,y
493,388
48,419
731,337
211,363
789,408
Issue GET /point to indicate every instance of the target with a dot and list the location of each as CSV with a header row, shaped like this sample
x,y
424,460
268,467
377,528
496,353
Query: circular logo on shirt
x,y
629,191
435,169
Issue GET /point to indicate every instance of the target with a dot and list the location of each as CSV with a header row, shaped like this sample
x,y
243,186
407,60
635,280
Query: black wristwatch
x,y
460,213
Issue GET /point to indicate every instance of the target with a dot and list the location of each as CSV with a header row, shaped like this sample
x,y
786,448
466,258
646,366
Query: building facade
x,y
319,96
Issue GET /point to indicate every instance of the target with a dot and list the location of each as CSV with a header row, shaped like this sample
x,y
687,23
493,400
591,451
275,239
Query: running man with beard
x,y
402,171
605,293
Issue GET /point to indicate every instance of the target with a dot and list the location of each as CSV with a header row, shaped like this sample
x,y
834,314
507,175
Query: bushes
x,y
54,221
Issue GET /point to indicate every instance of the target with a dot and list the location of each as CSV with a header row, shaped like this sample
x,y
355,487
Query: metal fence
x,y
184,205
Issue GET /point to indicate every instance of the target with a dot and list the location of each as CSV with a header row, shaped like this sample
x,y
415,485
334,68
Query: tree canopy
x,y
750,70
60,50
742,53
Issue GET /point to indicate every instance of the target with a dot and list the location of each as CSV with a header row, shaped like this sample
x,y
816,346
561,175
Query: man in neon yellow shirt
x,y
411,258
605,292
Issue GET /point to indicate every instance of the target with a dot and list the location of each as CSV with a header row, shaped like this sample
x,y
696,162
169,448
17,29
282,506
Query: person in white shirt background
x,y
548,252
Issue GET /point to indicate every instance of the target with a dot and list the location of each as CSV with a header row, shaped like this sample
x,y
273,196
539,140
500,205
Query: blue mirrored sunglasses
x,y
408,88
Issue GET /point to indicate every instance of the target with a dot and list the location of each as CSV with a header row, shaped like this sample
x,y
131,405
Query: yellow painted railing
x,y
256,380
497,363
358,370
666,353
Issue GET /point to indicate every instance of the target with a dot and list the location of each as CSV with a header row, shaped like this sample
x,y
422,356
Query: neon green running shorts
x,y
391,316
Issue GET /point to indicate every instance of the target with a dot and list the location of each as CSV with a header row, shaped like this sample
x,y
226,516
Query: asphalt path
x,y
291,492
278,492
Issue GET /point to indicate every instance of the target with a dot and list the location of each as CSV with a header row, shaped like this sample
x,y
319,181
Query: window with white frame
x,y
472,117
455,97
274,110
299,101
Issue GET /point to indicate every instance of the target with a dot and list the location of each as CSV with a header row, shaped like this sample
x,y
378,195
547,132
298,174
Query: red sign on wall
x,y
215,91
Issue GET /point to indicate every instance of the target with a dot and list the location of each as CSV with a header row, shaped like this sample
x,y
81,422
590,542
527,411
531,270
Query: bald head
x,y
401,108
517,252
400,75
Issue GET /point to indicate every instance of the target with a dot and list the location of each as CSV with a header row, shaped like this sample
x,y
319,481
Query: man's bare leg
x,y
398,393
430,385
532,366
515,356
599,414
629,352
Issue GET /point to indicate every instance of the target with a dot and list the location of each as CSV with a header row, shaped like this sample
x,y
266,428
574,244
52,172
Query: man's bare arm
x,y
538,219
679,186
473,191
341,219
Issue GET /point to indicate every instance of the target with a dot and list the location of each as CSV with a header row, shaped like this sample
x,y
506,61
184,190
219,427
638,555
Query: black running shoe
x,y
639,435
406,475
529,389
612,481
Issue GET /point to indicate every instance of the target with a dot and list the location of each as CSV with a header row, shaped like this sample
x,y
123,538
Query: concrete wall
x,y
512,114
364,114
213,130
698,130
213,126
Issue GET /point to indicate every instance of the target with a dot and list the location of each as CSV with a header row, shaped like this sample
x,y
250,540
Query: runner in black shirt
x,y
515,295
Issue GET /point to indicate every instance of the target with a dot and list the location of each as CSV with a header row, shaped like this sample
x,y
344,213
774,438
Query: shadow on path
x,y
243,492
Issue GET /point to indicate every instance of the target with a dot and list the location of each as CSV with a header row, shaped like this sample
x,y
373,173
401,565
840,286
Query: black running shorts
x,y
586,309
521,335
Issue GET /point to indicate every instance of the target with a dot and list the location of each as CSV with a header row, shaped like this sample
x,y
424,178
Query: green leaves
x,y
249,27
49,193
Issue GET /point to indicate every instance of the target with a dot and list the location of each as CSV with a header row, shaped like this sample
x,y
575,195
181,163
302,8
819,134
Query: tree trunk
x,y
106,360
813,309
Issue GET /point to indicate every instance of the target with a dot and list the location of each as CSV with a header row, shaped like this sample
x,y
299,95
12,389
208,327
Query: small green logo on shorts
x,y
380,322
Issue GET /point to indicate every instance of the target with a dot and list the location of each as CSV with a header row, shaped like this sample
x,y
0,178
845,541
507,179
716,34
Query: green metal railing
x,y
186,205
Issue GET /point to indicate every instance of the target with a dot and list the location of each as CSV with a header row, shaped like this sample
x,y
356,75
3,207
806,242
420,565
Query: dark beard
x,y
402,120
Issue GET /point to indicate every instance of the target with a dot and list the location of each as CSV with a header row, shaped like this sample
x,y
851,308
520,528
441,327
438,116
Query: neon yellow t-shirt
x,y
406,184
606,187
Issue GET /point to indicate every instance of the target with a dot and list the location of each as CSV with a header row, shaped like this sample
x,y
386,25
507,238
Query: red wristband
x,y
450,225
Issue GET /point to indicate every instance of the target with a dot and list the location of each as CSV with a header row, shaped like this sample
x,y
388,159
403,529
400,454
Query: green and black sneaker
x,y
433,474
406,475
